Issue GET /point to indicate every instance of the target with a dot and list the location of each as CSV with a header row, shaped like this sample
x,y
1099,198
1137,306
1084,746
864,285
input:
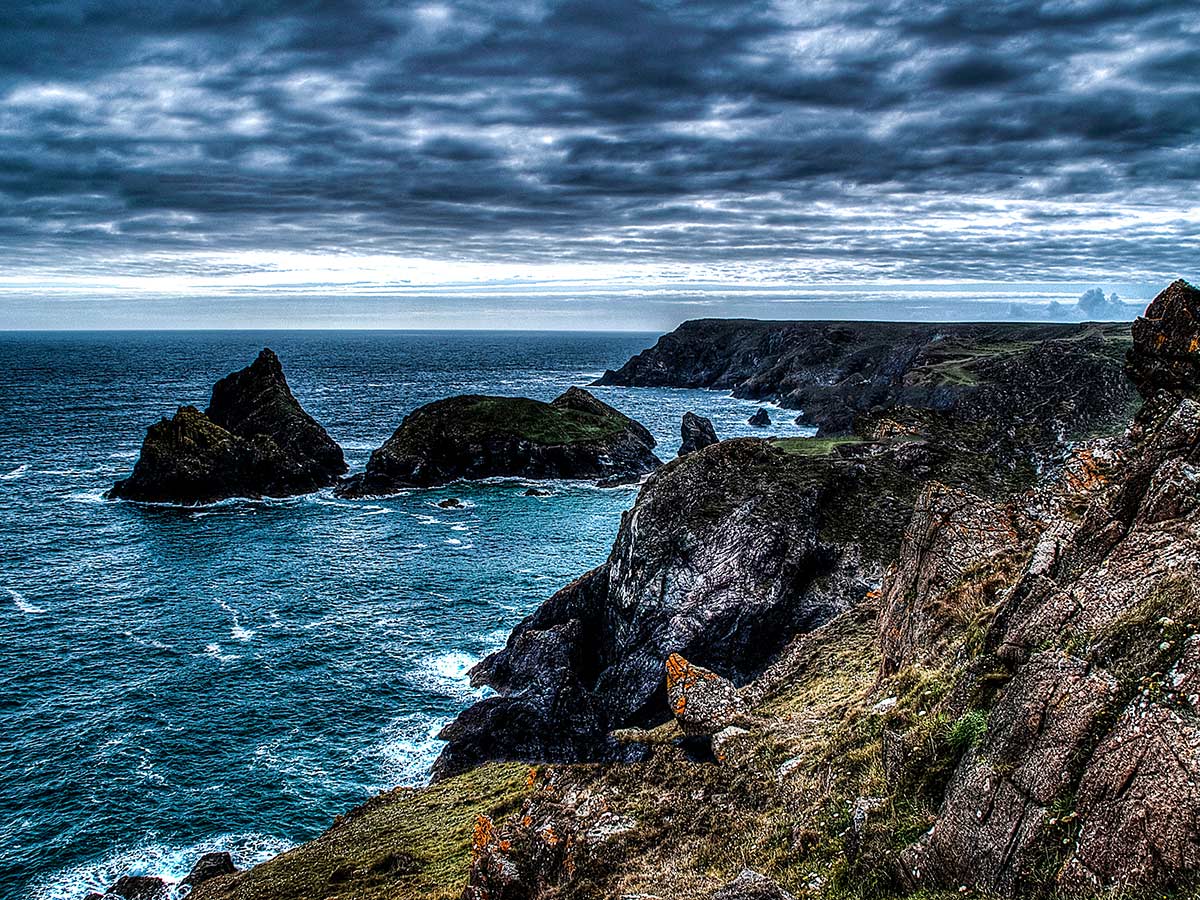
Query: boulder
x,y
537,492
702,702
450,503
760,419
254,440
471,437
697,433
209,866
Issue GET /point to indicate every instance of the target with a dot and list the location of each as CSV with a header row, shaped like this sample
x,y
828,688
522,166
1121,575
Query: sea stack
x,y
473,436
254,440
760,419
697,433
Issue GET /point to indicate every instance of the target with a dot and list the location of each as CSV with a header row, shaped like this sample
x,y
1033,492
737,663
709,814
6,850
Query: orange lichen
x,y
483,835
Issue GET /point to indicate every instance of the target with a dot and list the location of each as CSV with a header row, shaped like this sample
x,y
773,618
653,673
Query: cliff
x,y
1051,376
576,436
254,440
881,666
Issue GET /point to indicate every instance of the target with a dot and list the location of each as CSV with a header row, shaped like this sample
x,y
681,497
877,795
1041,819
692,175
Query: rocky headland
x,y
1056,376
919,660
576,436
254,440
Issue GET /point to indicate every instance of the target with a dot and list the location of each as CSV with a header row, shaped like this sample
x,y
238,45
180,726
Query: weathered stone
x,y
696,432
702,701
760,419
1166,344
993,828
254,440
470,437
209,866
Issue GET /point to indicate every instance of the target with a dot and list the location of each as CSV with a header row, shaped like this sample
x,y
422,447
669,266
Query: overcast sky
x,y
578,164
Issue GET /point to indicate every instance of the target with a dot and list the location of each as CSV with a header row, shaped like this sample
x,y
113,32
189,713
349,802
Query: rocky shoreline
x,y
952,649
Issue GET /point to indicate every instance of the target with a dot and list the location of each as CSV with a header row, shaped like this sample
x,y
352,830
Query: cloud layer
x,y
840,140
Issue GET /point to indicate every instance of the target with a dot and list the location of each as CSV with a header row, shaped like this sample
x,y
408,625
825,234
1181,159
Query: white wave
x,y
214,652
170,862
447,674
92,496
238,633
15,473
460,527
409,749
454,542
24,605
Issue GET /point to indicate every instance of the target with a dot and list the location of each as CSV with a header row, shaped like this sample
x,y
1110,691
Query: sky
x,y
619,164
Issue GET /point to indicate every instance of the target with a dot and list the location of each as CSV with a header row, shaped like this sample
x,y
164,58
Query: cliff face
x,y
1065,377
576,436
979,683
254,440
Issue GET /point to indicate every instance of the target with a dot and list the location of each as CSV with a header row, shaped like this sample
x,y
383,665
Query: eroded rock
x,y
697,433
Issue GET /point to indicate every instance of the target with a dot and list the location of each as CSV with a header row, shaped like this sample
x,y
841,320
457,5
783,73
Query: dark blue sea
x,y
175,680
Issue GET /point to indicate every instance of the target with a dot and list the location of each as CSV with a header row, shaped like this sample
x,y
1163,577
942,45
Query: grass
x,y
402,845
814,446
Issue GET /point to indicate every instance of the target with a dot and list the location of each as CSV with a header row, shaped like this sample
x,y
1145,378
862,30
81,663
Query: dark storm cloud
x,y
848,137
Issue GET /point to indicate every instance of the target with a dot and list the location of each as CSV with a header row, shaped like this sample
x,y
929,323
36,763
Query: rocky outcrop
x,y
1065,379
696,432
207,867
254,440
1087,775
727,554
469,437
702,702
1166,350
760,419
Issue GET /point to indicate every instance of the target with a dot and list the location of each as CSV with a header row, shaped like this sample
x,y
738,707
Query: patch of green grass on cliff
x,y
402,845
539,422
813,446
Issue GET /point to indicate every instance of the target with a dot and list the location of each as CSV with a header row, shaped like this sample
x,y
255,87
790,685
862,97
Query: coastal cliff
x,y
833,371
254,440
575,436
888,665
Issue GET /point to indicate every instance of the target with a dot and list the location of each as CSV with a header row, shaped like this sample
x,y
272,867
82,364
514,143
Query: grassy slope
x,y
403,845
541,423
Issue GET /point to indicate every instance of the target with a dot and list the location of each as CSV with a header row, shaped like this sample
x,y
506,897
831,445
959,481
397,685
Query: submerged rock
x,y
760,419
537,492
254,440
574,437
450,503
697,433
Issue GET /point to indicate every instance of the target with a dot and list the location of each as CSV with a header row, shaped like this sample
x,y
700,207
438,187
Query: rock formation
x,y
696,432
760,419
254,440
986,684
576,437
1061,378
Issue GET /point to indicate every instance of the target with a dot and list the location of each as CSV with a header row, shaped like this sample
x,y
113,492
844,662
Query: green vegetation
x,y
541,423
402,845
814,446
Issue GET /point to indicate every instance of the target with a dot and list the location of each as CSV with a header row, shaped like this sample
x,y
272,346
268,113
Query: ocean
x,y
176,680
